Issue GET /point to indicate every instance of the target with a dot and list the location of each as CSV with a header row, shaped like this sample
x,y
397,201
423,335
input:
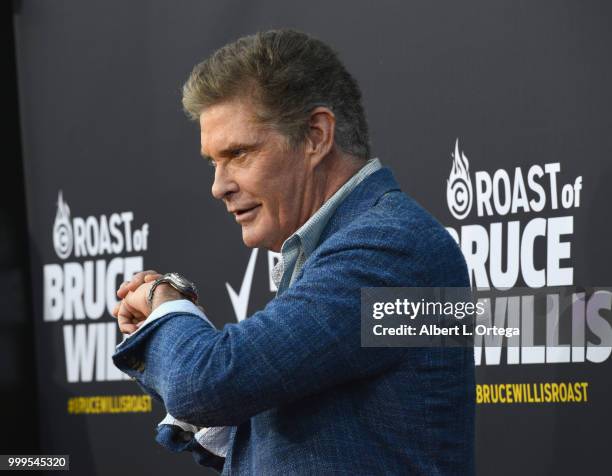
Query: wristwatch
x,y
178,282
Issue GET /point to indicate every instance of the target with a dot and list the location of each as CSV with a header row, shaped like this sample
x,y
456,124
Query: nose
x,y
224,183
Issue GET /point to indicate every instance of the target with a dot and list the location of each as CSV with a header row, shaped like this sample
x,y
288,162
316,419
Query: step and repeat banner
x,y
494,116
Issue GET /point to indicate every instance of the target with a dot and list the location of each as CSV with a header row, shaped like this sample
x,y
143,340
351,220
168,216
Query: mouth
x,y
246,214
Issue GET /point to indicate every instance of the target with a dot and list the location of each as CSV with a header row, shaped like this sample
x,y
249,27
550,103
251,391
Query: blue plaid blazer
x,y
302,394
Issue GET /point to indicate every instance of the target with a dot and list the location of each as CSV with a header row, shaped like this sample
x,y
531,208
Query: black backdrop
x,y
17,378
517,83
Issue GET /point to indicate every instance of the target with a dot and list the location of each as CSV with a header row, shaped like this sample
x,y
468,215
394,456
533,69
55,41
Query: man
x,y
290,390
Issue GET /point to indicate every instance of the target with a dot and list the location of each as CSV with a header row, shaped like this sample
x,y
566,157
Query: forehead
x,y
228,122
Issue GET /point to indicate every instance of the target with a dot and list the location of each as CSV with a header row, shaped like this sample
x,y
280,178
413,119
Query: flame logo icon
x,y
62,229
459,186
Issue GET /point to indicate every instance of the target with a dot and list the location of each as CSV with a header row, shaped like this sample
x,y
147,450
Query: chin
x,y
252,240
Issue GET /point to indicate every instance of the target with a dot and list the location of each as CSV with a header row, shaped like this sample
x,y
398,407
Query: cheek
x,y
272,202
269,215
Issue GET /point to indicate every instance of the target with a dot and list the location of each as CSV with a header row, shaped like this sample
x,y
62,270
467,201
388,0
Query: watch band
x,y
178,282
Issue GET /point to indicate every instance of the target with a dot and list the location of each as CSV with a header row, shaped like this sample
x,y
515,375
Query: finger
x,y
151,277
126,325
127,329
116,309
132,311
138,279
125,320
121,292
124,313
132,285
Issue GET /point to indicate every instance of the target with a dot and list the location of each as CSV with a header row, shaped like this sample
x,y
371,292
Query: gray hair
x,y
288,73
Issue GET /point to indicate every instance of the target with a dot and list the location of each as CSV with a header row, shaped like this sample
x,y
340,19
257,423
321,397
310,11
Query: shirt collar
x,y
310,232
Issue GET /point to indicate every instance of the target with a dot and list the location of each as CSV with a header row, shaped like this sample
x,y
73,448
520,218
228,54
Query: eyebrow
x,y
206,157
227,152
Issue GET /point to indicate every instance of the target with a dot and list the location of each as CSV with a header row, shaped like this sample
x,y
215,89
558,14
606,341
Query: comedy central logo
x,y
62,229
459,185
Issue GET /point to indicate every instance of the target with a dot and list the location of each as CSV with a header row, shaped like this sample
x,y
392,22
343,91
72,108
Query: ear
x,y
320,138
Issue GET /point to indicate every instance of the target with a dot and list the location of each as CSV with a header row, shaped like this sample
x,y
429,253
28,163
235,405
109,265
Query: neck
x,y
327,178
324,180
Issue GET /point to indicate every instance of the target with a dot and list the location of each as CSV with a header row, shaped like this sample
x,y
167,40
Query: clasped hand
x,y
133,308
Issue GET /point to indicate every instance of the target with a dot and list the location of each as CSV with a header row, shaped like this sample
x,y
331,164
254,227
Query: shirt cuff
x,y
182,306
215,439
170,420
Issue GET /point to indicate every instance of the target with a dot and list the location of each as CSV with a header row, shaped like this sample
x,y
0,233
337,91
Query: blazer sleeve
x,y
303,342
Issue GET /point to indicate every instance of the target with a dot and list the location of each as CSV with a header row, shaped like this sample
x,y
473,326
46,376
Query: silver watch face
x,y
181,284
178,282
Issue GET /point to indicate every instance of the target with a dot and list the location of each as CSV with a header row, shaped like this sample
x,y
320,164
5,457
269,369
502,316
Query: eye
x,y
237,153
211,163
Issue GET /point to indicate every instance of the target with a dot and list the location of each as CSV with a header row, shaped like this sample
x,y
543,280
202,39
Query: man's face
x,y
260,180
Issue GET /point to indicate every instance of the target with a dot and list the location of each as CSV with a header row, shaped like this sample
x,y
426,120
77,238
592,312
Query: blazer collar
x,y
364,196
